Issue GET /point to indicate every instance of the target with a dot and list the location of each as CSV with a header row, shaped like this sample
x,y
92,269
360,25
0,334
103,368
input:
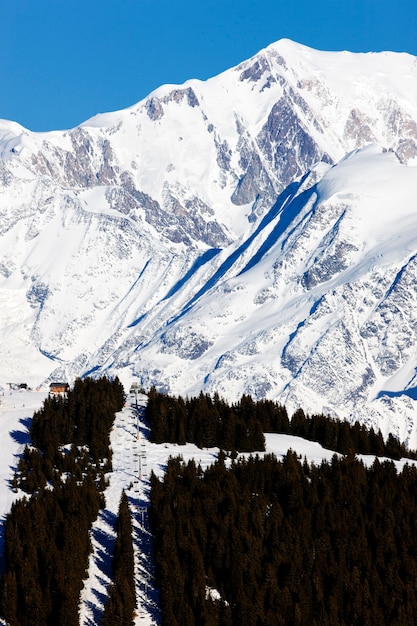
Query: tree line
x,y
209,421
83,418
286,543
46,533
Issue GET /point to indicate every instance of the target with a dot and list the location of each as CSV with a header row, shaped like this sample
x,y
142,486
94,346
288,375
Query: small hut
x,y
58,389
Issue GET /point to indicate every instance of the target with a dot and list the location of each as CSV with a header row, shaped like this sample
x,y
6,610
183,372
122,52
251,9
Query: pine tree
x,y
122,596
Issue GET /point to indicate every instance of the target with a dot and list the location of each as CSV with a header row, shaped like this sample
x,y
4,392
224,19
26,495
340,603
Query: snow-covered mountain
x,y
253,233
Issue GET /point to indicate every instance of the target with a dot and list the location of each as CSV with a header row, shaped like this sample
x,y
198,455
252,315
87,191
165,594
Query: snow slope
x,y
253,233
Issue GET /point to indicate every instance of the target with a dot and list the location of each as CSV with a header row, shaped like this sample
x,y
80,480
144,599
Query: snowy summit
x,y
254,233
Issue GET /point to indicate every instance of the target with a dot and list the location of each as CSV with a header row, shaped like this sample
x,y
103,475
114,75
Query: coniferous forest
x,y
122,599
249,541
47,532
272,543
211,422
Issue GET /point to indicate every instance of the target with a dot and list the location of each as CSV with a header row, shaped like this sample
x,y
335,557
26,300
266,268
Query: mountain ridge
x,y
217,235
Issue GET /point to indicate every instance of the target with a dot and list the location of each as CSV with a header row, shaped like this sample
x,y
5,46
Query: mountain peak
x,y
252,233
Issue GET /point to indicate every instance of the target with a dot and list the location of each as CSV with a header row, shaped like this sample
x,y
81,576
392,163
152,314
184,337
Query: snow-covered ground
x,y
134,457
16,411
161,225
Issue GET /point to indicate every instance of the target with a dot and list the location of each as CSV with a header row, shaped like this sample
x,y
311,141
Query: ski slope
x,y
134,458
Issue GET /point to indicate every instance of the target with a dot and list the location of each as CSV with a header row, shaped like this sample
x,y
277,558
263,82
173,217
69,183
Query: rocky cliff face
x,y
233,235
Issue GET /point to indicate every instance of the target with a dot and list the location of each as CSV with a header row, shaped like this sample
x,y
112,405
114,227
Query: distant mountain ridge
x,y
254,233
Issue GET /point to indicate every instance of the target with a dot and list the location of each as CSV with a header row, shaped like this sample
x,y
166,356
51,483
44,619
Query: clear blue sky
x,y
63,61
